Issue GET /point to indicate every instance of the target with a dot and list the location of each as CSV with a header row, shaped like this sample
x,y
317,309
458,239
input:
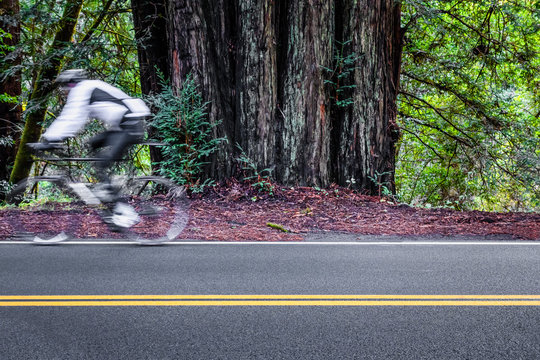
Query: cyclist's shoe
x,y
124,216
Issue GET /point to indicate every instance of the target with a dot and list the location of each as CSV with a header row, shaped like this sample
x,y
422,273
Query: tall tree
x,y
202,41
274,78
44,85
150,26
366,132
10,84
307,32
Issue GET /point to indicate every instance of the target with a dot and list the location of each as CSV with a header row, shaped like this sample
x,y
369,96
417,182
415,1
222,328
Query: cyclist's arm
x,y
73,117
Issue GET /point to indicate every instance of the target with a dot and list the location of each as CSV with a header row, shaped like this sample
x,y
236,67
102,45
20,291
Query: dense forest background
x,y
432,103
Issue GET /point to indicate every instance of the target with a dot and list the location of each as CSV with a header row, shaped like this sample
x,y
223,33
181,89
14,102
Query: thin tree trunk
x,y
10,111
149,17
44,85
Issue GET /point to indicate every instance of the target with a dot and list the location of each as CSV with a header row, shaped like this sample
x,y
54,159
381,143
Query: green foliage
x,y
469,105
5,49
339,78
45,192
103,44
182,124
108,48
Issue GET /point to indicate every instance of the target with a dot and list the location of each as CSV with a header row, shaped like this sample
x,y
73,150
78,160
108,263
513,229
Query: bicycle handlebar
x,y
42,146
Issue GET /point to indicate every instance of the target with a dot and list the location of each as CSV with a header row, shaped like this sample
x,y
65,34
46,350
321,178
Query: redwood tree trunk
x,y
365,133
202,42
264,65
256,81
10,111
307,45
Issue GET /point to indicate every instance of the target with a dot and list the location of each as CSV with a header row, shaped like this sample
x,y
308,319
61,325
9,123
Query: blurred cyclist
x,y
121,114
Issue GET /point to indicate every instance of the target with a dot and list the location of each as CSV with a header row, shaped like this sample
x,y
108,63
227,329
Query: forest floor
x,y
238,212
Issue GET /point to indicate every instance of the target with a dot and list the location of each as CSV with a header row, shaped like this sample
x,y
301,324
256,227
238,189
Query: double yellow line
x,y
269,300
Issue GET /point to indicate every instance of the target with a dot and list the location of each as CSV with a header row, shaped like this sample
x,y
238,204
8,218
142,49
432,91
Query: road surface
x,y
313,300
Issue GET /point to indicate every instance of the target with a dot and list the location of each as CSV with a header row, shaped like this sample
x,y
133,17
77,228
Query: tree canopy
x,y
469,104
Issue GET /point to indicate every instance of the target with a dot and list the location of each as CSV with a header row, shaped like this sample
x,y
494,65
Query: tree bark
x,y
256,81
365,134
307,45
37,107
201,43
10,111
149,18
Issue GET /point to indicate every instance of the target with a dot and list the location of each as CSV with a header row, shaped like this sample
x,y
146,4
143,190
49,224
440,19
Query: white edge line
x,y
343,243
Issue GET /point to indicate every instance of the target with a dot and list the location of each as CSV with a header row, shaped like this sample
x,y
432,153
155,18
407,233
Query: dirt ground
x,y
238,212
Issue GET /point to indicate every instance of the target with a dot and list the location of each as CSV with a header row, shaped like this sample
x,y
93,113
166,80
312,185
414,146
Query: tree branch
x,y
98,21
469,102
423,143
444,118
458,139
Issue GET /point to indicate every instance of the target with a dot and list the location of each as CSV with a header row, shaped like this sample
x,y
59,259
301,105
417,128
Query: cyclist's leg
x,y
99,144
112,146
98,141
116,145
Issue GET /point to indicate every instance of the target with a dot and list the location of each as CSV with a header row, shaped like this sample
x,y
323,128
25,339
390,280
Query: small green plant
x,y
382,186
260,180
338,77
44,193
351,182
181,122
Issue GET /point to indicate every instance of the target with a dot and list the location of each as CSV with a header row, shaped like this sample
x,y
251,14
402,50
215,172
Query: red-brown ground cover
x,y
238,212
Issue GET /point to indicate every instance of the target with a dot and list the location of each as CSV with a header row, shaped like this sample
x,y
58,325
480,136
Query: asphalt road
x,y
226,327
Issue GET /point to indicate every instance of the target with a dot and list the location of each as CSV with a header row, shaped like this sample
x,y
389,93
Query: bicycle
x,y
148,210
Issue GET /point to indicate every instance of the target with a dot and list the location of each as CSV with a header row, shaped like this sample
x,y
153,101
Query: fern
x,y
181,122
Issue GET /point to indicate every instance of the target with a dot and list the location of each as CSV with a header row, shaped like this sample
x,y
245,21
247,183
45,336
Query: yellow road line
x,y
275,303
262,297
269,300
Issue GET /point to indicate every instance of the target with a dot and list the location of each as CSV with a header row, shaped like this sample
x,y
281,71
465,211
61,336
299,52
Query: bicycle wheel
x,y
150,210
46,222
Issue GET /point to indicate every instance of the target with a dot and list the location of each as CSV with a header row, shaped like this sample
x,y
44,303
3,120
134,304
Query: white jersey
x,y
97,100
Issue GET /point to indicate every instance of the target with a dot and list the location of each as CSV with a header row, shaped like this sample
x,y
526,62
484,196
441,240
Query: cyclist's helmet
x,y
69,78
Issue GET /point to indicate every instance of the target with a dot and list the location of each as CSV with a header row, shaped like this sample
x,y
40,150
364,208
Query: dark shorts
x,y
112,144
